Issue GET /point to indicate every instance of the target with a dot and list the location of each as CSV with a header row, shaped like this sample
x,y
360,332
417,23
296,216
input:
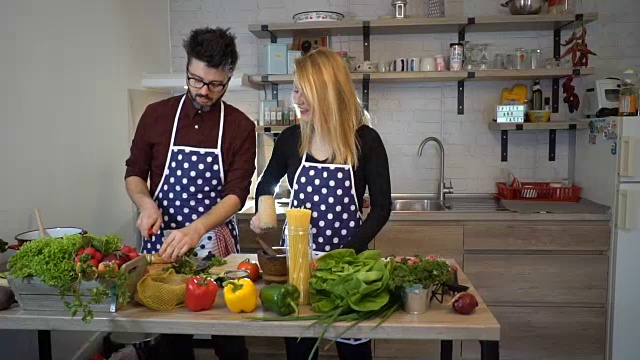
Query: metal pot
x,y
524,7
58,233
416,299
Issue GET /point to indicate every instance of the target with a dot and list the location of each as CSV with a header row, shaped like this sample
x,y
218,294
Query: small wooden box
x,y
34,295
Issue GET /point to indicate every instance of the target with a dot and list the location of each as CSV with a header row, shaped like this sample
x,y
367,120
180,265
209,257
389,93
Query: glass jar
x,y
522,59
535,57
557,7
498,61
509,61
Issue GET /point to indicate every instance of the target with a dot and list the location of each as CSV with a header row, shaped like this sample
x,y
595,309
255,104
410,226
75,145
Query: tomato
x,y
251,267
106,266
410,259
91,251
80,251
97,256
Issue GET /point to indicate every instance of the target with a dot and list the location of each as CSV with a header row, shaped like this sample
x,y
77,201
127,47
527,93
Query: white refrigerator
x,y
607,167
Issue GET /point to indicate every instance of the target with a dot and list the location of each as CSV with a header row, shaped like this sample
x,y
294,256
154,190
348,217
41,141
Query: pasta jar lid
x,y
236,274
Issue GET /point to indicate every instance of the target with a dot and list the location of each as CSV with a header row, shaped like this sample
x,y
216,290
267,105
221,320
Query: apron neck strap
x,y
175,120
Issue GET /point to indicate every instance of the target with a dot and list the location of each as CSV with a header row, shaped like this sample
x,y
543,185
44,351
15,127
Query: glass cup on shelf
x,y
498,61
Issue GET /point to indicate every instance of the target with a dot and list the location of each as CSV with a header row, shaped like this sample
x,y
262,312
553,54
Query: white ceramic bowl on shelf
x,y
309,16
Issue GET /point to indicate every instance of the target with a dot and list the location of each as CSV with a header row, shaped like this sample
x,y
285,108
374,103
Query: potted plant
x,y
414,277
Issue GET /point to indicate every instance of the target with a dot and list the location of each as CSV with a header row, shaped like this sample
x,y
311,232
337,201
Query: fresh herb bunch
x,y
52,261
190,264
419,271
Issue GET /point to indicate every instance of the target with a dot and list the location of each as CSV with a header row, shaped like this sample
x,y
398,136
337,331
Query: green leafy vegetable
x,y
190,264
52,261
418,271
348,287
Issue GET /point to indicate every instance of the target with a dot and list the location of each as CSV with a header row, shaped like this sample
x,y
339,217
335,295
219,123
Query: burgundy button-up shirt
x,y
152,139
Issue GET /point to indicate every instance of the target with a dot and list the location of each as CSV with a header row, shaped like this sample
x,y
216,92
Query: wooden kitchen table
x,y
440,322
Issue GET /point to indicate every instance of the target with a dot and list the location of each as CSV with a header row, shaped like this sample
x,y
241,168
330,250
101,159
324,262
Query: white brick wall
x,y
404,114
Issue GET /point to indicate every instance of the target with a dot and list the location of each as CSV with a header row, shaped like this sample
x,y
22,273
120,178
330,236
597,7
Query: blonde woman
x,y
329,159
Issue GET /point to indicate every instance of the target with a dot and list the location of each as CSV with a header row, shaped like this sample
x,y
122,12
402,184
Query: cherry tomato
x,y
251,267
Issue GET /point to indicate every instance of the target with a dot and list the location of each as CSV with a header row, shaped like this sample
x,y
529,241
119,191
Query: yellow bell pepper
x,y
240,295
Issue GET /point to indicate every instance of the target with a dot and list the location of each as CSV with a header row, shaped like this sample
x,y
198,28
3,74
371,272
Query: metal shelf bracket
x,y
365,91
504,145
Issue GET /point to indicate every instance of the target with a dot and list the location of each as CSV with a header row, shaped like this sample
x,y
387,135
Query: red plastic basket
x,y
538,191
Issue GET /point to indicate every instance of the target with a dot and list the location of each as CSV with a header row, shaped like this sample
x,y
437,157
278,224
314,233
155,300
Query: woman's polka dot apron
x,y
329,192
191,185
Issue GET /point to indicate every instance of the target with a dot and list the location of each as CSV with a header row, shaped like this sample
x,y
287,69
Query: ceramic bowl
x,y
57,233
309,16
273,265
538,116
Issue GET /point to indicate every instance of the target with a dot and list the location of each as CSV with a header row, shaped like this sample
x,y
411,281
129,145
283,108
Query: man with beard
x,y
198,154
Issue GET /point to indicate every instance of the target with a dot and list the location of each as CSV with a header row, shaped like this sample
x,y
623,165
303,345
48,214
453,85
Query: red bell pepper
x,y
201,293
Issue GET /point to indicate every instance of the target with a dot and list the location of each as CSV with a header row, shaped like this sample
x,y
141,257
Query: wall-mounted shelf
x,y
544,22
176,81
528,74
421,25
382,77
435,76
551,126
460,25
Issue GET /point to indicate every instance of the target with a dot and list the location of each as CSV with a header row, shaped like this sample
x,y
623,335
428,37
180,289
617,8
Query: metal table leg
x,y
490,350
446,349
44,345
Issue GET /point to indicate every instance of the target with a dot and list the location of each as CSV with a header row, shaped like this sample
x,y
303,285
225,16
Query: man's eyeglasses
x,y
214,86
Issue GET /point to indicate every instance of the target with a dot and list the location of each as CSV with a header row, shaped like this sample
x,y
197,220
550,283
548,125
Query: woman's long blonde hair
x,y
325,80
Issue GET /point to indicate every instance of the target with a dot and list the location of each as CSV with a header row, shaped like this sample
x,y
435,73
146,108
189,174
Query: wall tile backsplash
x,y
404,114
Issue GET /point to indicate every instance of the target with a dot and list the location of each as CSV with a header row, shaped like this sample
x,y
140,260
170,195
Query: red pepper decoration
x,y
571,98
201,293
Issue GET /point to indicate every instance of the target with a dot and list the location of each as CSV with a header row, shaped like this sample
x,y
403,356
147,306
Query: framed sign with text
x,y
510,113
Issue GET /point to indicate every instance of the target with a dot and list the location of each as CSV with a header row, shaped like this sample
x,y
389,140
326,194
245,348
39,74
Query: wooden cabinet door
x,y
549,333
533,279
563,236
412,238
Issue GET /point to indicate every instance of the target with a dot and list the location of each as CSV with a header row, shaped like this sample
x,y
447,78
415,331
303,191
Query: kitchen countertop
x,y
467,207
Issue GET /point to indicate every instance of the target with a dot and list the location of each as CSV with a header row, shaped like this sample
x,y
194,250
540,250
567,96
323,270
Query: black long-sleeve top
x,y
372,172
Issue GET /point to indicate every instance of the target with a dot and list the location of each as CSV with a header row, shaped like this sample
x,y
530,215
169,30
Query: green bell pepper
x,y
280,299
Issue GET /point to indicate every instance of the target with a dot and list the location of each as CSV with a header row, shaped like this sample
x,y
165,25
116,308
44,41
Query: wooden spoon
x,y
43,232
268,249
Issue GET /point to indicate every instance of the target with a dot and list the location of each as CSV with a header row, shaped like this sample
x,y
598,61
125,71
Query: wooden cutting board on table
x,y
232,263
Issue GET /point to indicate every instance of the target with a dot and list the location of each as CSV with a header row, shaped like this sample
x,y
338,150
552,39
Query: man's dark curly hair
x,y
215,47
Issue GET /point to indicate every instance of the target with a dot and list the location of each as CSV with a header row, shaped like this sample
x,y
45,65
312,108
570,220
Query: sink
x,y
417,205
453,203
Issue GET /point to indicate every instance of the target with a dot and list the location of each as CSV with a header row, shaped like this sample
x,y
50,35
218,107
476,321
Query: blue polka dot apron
x,y
329,192
190,186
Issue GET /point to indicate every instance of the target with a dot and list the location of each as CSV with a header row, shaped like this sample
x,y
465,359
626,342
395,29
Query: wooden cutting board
x,y
232,263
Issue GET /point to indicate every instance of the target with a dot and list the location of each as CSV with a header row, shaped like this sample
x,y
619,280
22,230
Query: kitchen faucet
x,y
442,186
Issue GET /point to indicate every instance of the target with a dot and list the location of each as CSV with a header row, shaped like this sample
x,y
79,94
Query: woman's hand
x,y
255,224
